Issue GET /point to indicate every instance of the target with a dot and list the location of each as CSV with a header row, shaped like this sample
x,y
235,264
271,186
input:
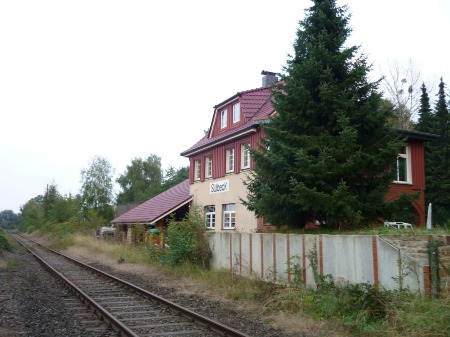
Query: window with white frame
x,y
230,160
245,156
223,119
403,165
197,169
210,217
208,167
229,216
236,112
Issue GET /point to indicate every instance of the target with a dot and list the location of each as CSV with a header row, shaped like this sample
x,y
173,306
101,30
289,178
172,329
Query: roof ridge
x,y
254,90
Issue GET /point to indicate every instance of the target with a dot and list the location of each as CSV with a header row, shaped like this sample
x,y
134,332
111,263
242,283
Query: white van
x,y
397,225
105,232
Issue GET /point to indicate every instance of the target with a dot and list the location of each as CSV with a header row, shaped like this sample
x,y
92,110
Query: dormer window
x,y
223,119
236,112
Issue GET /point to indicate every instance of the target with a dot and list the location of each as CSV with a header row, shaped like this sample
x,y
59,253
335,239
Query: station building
x,y
220,161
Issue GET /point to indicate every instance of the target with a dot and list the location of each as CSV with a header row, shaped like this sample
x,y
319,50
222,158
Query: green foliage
x,y
97,187
8,219
51,196
401,208
437,154
328,148
188,242
138,234
141,180
4,244
425,122
173,177
32,214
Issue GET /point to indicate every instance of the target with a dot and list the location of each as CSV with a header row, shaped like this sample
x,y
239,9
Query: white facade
x,y
228,190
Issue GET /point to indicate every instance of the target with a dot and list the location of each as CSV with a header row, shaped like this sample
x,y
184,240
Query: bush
x,y
4,244
188,242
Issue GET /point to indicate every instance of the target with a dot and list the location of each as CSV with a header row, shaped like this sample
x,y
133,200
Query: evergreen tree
x,y
425,122
329,147
438,172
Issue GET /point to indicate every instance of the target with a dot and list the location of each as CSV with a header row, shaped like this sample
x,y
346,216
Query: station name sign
x,y
219,186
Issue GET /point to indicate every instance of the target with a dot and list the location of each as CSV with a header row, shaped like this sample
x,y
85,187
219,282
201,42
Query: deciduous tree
x,y
97,187
402,86
141,180
9,219
174,176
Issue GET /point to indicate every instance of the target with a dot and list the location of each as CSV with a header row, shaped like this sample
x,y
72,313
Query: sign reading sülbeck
x,y
219,186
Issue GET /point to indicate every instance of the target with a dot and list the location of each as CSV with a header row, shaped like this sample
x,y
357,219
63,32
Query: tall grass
x,y
135,254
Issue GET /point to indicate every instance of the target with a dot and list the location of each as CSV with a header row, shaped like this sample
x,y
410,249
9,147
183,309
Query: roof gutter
x,y
152,221
226,101
417,134
218,142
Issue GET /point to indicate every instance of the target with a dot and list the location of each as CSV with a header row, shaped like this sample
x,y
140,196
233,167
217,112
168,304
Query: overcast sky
x,y
126,79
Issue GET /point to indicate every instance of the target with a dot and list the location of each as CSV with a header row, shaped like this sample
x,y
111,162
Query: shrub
x,y
4,244
188,242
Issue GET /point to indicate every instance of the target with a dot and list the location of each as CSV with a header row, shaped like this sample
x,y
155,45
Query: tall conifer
x,y
438,165
328,149
425,122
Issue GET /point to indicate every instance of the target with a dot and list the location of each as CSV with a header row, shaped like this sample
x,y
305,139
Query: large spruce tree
x,y
328,149
438,160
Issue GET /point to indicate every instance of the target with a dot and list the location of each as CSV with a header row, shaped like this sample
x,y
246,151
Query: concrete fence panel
x,y
348,258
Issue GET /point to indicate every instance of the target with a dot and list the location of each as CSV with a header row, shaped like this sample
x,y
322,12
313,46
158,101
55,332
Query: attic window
x,y
236,112
223,119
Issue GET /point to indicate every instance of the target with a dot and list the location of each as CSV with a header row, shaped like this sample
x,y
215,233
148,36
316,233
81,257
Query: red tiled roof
x,y
255,105
252,100
158,206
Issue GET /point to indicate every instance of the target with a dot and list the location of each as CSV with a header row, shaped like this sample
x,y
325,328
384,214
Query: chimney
x,y
269,78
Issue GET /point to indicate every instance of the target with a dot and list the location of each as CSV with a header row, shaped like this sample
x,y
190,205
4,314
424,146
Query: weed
x,y
12,264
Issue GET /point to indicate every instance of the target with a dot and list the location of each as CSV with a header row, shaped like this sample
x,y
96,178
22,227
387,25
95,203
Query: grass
x,y
117,251
12,264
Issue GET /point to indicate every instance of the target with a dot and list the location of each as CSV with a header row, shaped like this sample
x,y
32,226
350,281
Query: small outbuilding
x,y
157,211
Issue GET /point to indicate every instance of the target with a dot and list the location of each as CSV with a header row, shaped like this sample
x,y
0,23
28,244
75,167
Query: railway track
x,y
119,305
